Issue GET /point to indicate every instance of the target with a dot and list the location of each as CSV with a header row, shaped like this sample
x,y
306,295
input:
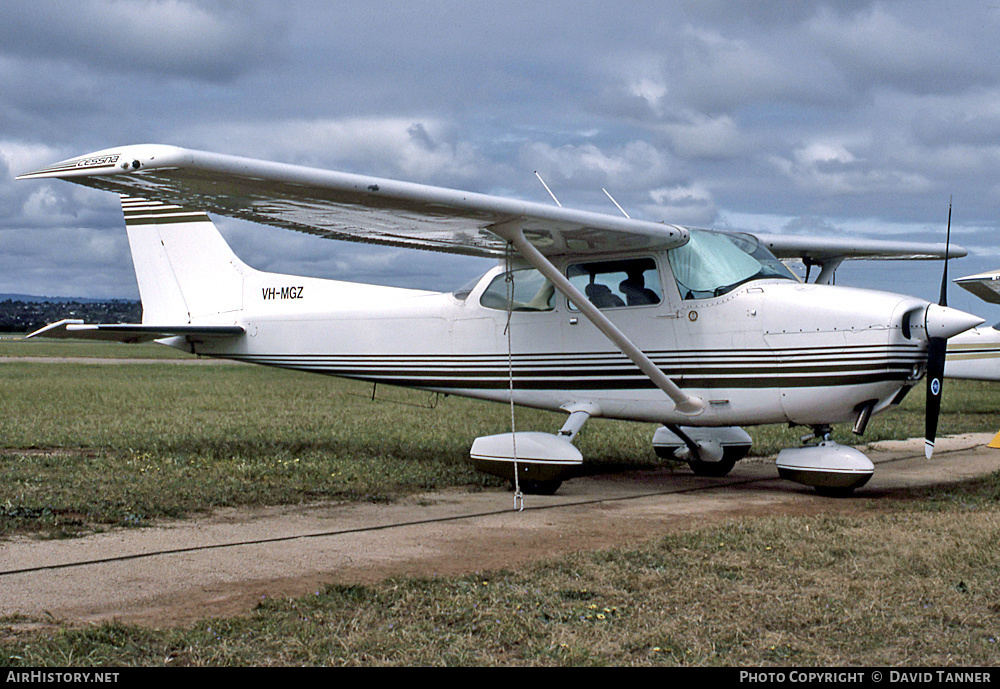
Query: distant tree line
x,y
28,316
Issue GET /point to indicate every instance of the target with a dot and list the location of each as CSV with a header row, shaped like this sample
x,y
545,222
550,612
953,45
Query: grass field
x,y
15,345
87,446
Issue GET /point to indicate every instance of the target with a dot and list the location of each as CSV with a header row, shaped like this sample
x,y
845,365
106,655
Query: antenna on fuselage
x,y
547,188
616,203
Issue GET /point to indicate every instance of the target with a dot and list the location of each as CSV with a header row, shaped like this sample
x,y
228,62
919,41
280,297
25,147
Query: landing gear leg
x,y
820,432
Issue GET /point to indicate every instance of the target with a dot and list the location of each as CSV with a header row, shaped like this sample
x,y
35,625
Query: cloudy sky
x,y
842,119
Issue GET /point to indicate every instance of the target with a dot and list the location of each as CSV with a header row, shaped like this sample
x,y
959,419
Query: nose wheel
x,y
833,470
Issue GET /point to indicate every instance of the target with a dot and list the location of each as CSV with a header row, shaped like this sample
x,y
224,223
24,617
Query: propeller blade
x,y
943,300
936,348
935,377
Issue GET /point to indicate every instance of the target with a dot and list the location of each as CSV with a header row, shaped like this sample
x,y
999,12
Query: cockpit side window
x,y
528,290
714,263
624,282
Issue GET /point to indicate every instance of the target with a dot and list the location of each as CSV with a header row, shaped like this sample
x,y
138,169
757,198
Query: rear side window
x,y
613,284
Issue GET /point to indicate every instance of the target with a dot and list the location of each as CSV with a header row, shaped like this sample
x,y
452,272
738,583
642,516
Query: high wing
x,y
353,207
339,205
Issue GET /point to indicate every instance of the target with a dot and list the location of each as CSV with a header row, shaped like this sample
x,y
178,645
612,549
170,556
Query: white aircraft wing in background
x,y
986,285
975,354
830,253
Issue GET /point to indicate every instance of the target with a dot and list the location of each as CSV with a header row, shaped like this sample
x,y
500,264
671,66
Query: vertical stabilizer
x,y
184,267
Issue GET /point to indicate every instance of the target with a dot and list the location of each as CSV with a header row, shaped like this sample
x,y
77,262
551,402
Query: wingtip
x,y
120,159
928,448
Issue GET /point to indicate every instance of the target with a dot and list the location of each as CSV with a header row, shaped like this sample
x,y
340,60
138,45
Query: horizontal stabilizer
x,y
132,332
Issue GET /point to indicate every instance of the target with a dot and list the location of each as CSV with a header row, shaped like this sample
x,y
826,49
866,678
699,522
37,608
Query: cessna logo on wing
x,y
94,162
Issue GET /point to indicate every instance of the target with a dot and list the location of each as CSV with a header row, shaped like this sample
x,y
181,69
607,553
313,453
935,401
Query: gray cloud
x,y
210,41
861,116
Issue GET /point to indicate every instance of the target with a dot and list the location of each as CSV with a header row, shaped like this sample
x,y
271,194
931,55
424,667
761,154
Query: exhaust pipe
x,y
864,414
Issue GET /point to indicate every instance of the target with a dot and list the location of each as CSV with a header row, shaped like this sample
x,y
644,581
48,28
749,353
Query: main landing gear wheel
x,y
708,451
730,455
714,469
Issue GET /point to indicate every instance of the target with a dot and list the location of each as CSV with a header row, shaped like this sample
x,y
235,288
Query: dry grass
x,y
903,585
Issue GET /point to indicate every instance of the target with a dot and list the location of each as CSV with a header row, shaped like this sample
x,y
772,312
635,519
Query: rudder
x,y
185,269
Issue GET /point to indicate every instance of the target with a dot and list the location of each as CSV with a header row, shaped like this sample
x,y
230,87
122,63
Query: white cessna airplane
x,y
592,314
975,354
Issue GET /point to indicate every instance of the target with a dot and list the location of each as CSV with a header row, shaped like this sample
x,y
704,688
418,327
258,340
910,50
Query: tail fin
x,y
184,267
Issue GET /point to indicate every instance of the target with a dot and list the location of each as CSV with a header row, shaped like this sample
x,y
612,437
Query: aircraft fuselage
x,y
768,351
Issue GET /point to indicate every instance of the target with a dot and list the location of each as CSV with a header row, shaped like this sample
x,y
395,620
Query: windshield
x,y
714,263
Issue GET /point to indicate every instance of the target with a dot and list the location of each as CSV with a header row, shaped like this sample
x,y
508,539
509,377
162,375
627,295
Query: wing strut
x,y
686,404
